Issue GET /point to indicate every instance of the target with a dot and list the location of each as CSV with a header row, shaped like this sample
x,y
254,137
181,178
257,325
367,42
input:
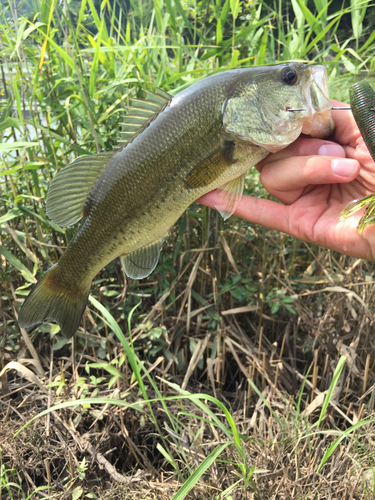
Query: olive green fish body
x,y
156,192
204,138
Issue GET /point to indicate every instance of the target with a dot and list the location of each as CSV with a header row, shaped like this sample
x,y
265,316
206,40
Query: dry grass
x,y
106,447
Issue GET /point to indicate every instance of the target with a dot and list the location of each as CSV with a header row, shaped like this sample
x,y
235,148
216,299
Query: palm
x,y
314,217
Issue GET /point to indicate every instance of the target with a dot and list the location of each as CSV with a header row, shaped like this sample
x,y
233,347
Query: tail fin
x,y
49,301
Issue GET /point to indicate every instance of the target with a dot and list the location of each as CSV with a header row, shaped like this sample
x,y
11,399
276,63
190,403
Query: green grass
x,y
250,380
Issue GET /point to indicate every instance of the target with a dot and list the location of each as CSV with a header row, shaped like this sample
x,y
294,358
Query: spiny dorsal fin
x,y
71,186
142,262
141,113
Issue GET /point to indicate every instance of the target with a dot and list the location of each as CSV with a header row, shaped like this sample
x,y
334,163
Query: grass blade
x,y
199,471
335,378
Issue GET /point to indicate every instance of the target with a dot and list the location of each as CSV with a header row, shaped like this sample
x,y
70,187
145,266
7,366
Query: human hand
x,y
315,179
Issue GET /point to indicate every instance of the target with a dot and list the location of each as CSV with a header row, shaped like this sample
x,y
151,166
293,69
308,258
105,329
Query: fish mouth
x,y
320,124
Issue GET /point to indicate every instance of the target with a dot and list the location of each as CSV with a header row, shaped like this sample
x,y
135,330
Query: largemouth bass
x,y
173,150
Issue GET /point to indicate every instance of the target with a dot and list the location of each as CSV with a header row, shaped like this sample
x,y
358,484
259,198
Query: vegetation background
x,y
243,368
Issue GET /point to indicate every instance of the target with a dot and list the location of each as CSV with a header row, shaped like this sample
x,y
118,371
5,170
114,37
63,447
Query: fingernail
x,y
331,150
344,167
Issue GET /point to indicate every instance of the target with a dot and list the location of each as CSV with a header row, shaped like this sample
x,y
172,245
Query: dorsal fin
x,y
141,113
71,186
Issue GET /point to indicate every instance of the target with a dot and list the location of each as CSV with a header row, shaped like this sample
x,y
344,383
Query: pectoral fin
x,y
141,263
228,197
211,167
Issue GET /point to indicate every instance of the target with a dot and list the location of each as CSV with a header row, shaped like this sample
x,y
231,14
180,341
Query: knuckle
x,y
313,168
266,175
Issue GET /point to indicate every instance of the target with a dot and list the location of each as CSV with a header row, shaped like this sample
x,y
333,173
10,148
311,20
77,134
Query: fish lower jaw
x,y
320,126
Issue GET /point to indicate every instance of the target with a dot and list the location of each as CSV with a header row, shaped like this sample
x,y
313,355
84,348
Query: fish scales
x,y
145,163
206,137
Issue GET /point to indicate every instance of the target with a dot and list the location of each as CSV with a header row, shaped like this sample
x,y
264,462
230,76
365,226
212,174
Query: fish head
x,y
257,109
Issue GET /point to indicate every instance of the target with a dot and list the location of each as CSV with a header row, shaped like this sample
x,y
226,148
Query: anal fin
x,y
142,262
228,196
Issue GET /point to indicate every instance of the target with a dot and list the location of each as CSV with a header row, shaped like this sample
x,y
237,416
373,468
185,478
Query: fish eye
x,y
289,76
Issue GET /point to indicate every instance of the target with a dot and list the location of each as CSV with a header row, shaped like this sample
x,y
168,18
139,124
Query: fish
x,y
172,151
362,104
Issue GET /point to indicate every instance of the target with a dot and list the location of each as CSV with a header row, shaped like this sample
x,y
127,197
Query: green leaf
x,y
18,101
31,28
290,309
171,12
69,61
263,48
219,34
321,34
225,11
200,470
11,214
77,493
275,307
95,62
60,343
17,264
235,7
310,18
167,456
287,300
109,368
344,435
182,13
97,21
58,137
335,378
43,219
11,146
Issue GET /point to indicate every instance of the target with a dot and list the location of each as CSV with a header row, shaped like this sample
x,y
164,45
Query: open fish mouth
x,y
259,113
320,124
316,116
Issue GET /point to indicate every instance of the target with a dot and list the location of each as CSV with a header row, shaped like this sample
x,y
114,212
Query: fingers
x,y
309,222
305,162
264,212
305,146
287,178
